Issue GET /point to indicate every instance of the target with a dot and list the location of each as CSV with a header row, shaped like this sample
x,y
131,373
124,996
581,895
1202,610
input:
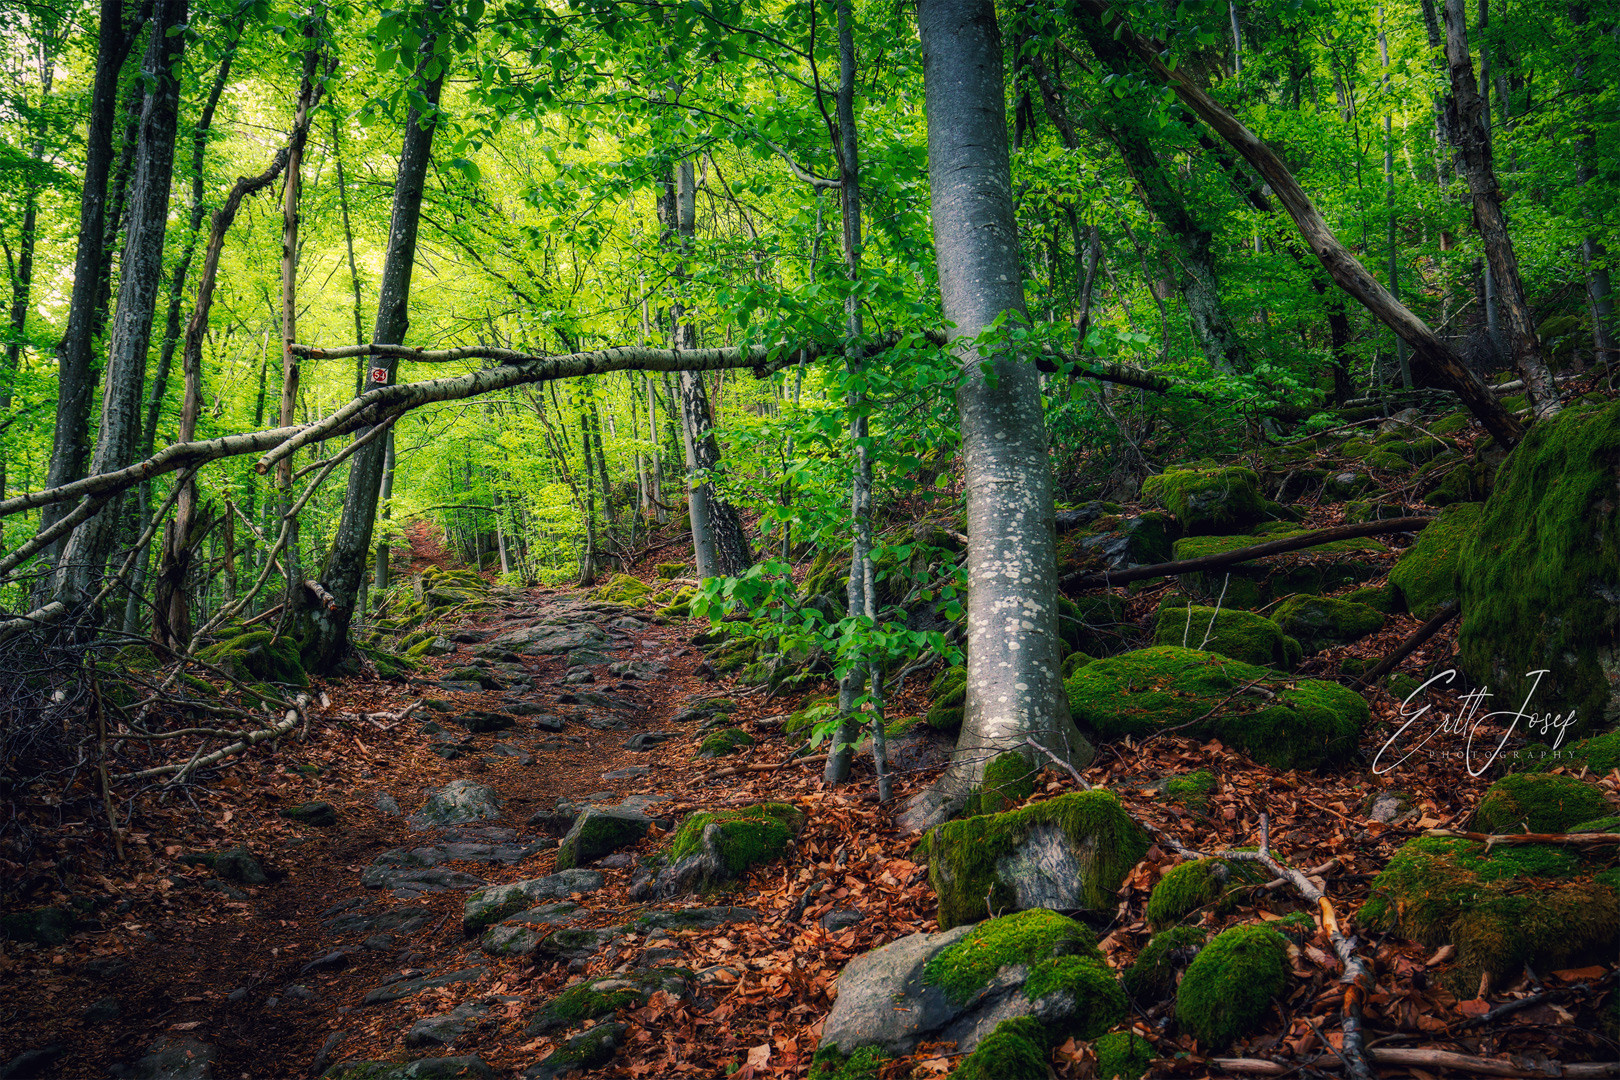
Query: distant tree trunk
x,y
86,552
587,559
345,569
1014,681
1471,136
75,379
1389,202
1599,295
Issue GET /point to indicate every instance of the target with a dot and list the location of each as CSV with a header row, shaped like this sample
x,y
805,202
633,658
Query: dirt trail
x,y
272,979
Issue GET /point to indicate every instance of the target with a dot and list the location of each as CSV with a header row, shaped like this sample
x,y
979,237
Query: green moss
x,y
1500,908
1009,779
1242,635
1426,576
1024,938
1191,790
622,589
1208,501
814,712
1091,624
949,691
580,1004
1321,622
676,603
1385,460
1153,976
1123,1055
257,656
1191,886
1016,1050
1539,802
1600,755
1249,584
1280,722
747,836
864,1064
1539,573
963,855
1381,598
669,571
725,741
1099,1002
1231,984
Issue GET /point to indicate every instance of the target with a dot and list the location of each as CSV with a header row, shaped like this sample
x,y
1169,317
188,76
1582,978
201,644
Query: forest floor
x,y
311,966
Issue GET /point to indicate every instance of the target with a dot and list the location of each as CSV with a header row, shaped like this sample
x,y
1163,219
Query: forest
x,y
840,540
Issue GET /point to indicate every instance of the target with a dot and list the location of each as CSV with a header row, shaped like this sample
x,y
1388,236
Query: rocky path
x,y
397,897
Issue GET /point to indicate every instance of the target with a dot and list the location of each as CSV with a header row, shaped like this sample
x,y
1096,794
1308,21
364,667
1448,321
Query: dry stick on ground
x,y
1447,612
1491,840
739,770
1432,1059
1314,538
248,739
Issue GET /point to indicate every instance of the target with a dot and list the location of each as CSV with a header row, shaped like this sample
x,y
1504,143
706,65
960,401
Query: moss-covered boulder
x,y
949,690
865,1063
1286,723
257,656
669,571
1009,779
623,589
1501,908
1426,576
1190,887
430,1068
1092,624
1538,802
1016,1050
1191,790
1242,635
1123,1055
1250,584
963,985
1152,977
1539,573
1231,984
1070,853
605,996
1599,755
1208,501
724,741
1320,622
713,847
1117,543
598,832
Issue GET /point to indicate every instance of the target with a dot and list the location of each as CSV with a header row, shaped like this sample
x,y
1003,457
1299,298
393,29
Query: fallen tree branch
x,y
1490,840
249,739
1297,542
739,770
1434,1059
1448,611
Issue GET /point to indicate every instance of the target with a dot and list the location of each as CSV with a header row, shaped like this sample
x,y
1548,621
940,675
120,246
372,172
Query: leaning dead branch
x,y
247,739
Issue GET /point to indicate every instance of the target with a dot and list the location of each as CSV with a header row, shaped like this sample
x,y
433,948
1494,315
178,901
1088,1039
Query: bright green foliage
x,y
257,656
1242,635
1191,790
1153,976
1122,1055
746,837
1501,908
1016,1050
1208,501
1230,985
814,712
1298,724
1539,569
864,1064
1426,576
1025,938
950,699
1009,779
1538,802
1320,622
963,854
725,741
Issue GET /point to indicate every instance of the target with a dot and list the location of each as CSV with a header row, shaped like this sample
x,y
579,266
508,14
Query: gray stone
x,y
507,750
523,708
482,722
458,802
646,740
461,686
588,1050
588,658
840,919
701,918
34,1063
578,678
322,815
494,904
233,864
400,920
600,832
607,723
703,707
596,700
610,994
638,669
543,640
445,1028
323,1056
105,1010
387,804
630,773
416,881
332,961
404,988
171,1059
469,637
435,647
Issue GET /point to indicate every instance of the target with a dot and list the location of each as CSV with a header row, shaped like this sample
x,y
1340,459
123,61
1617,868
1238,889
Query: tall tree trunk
x,y
345,568
1389,200
1470,134
87,549
1014,681
75,378
1593,255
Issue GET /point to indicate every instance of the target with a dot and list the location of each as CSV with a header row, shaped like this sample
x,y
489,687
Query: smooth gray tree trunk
x,y
1014,679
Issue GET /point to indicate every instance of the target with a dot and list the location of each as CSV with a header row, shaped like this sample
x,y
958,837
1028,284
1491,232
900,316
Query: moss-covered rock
x,y
594,999
1075,661
1231,984
669,571
1122,1055
1381,598
1191,790
949,692
1539,573
622,589
712,847
257,656
1501,908
1599,755
1192,886
1319,622
864,1064
1242,635
1092,624
813,712
1009,779
725,741
1285,723
1208,501
1538,802
1152,977
587,1050
1115,543
1256,582
1426,576
1016,1050
44,926
1072,852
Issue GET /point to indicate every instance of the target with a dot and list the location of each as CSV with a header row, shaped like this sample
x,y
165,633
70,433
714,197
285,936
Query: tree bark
x,y
86,551
1594,256
345,569
1014,682
1470,134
